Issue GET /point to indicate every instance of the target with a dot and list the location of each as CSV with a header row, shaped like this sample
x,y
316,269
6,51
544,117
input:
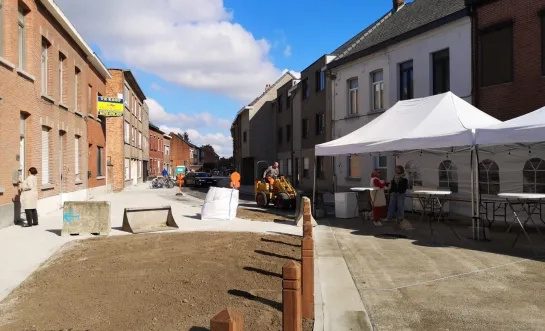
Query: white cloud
x,y
157,87
159,115
287,51
180,123
223,144
191,43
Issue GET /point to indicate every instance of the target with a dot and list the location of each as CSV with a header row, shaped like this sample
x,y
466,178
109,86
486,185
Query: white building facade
x,y
429,63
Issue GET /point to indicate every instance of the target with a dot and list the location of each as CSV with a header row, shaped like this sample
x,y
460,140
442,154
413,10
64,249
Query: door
x,y
134,171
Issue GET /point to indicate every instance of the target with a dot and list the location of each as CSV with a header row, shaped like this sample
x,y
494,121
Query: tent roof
x,y
438,121
529,128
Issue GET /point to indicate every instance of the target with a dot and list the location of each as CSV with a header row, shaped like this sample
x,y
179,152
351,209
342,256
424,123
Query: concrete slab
x,y
343,308
416,284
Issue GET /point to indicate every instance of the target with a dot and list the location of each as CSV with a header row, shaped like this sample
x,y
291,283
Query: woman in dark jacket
x,y
398,188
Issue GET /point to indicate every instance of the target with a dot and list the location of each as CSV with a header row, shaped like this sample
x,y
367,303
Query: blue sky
x,y
183,91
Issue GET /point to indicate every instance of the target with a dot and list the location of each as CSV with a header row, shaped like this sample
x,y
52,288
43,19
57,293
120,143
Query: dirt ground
x,y
263,216
155,282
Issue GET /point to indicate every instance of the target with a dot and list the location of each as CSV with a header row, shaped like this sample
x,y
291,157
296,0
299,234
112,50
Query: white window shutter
x,y
45,155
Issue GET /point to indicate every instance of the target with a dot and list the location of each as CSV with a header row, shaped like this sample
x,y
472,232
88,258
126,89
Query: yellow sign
x,y
110,107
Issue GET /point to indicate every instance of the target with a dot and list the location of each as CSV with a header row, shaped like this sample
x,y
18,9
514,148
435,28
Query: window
x,y
280,136
127,132
89,99
76,89
100,158
22,37
127,165
22,144
306,90
320,81
305,127
533,176
139,140
288,101
281,167
76,158
412,169
406,80
133,137
320,173
126,95
288,162
448,176
140,112
489,177
377,92
288,133
320,124
279,103
244,136
45,155
496,60
62,58
440,72
381,164
306,167
352,96
44,65
354,168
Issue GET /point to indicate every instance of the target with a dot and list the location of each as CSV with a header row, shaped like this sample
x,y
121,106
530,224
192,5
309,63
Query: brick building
x,y
180,150
508,56
156,155
167,155
145,143
48,75
124,134
210,158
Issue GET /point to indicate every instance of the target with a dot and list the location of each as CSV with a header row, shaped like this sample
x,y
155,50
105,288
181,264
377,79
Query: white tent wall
x,y
367,165
510,164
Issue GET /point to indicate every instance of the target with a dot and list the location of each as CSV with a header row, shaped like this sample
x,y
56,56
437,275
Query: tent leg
x,y
314,188
477,193
472,172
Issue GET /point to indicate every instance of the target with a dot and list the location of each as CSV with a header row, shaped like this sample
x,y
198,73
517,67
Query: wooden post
x,y
307,229
307,277
227,320
306,212
291,297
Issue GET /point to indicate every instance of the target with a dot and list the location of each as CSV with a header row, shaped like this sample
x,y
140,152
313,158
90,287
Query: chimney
x,y
267,87
398,4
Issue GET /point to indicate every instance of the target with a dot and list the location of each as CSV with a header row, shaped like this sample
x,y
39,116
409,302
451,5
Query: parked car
x,y
200,179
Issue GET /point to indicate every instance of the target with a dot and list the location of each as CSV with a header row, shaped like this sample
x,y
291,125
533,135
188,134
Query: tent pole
x,y
314,188
477,193
472,192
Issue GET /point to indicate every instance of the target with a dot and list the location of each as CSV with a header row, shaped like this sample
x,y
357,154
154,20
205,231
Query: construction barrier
x,y
150,219
300,211
86,217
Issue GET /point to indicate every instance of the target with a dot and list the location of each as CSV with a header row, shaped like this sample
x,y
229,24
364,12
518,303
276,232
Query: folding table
x,y
431,198
529,202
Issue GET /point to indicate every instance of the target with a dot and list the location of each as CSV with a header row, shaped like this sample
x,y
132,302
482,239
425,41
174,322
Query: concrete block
x,y
86,217
149,219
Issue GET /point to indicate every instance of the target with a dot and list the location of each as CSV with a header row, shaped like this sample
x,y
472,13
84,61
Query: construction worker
x,y
180,179
271,173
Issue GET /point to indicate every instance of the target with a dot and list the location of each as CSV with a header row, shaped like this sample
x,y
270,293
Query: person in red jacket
x,y
378,197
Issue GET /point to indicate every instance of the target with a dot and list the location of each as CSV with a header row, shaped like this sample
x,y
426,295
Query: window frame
x,y
77,143
352,92
44,66
485,182
496,28
350,167
440,64
306,89
21,36
306,167
77,72
375,82
100,161
320,124
62,59
406,67
452,176
540,170
46,134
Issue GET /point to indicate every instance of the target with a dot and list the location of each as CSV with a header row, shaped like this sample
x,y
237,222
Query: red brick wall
x,y
96,132
114,133
156,154
180,151
21,93
527,92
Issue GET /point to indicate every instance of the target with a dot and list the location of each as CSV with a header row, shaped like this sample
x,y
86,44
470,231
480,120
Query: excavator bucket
x,y
143,220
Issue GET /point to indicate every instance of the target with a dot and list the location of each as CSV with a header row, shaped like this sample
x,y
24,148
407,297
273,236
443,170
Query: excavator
x,y
281,194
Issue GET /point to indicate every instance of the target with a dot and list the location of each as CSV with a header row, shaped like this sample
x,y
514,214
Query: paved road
x,y
200,193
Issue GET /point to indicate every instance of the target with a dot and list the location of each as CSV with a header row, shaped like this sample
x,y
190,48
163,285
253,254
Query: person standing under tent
x,y
378,197
398,187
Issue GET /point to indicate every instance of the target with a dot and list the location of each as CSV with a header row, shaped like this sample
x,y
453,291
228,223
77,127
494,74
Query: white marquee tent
x,y
525,129
439,121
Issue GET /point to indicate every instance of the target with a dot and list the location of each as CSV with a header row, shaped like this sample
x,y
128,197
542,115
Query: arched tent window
x,y
412,169
489,177
533,176
448,176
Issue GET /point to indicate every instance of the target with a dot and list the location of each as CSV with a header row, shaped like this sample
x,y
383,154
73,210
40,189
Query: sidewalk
x,y
23,250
